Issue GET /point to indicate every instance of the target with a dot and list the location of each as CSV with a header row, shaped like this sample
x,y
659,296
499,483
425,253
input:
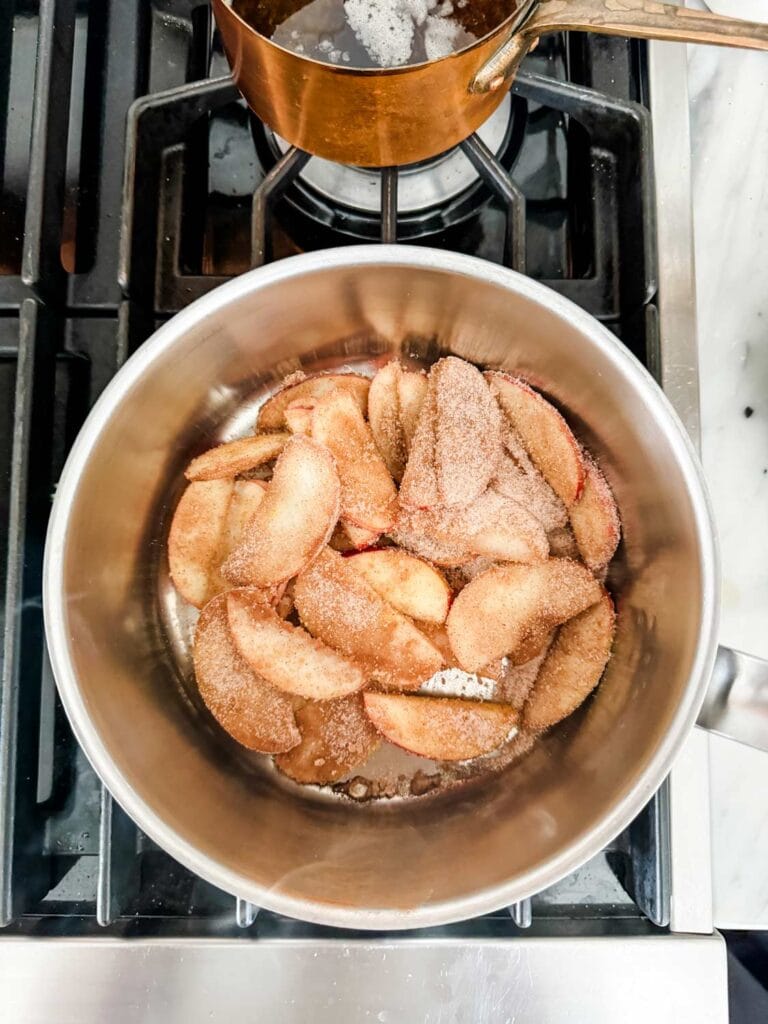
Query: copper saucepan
x,y
376,117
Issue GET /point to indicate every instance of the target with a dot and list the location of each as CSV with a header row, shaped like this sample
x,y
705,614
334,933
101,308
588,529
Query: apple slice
x,y
468,431
368,493
441,728
307,390
298,416
236,457
573,667
337,605
457,441
349,539
517,478
394,403
247,496
411,391
418,487
492,525
595,520
499,528
407,583
336,736
293,522
287,656
510,610
384,417
408,533
245,705
359,538
545,434
515,682
196,536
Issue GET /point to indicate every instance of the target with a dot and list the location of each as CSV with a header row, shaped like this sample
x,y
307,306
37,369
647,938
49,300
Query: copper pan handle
x,y
643,19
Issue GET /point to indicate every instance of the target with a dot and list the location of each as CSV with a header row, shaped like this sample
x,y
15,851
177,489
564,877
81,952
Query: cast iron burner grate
x,y
103,235
408,203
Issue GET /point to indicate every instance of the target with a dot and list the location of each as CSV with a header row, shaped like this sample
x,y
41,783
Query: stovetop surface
x,y
91,262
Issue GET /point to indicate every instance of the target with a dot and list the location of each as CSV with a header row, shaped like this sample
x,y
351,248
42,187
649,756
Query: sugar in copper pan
x,y
378,117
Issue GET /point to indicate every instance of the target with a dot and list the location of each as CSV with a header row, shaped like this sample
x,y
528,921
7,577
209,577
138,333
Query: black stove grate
x,y
104,233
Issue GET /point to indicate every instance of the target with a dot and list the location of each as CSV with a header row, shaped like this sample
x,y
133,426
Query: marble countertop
x,y
728,92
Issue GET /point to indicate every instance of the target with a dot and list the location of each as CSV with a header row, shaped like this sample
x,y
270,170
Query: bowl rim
x,y
485,900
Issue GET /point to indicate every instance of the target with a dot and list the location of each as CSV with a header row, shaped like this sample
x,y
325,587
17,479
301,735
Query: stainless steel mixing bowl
x,y
230,818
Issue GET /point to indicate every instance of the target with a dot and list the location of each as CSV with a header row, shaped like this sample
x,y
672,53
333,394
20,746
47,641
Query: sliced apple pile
x,y
595,520
545,435
196,537
241,456
336,737
573,666
307,390
285,655
493,484
394,402
252,712
457,442
441,728
368,493
293,522
338,606
510,610
407,583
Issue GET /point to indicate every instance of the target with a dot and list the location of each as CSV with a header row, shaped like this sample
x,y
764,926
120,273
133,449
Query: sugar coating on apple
x,y
299,388
441,728
295,519
286,655
573,666
368,492
406,582
595,520
457,441
196,536
337,605
512,609
546,436
254,713
336,737
235,457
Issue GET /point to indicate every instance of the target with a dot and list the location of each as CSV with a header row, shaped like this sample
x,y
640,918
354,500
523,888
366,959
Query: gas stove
x,y
134,180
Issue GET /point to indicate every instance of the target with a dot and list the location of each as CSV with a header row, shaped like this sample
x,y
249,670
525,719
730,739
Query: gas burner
x,y
432,195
